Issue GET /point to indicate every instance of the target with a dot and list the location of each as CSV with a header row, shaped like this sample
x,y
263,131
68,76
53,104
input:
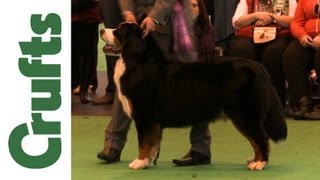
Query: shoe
x,y
313,115
305,106
76,91
84,98
195,158
93,88
109,157
106,99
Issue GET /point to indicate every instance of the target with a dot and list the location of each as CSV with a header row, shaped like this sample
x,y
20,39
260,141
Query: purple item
x,y
182,39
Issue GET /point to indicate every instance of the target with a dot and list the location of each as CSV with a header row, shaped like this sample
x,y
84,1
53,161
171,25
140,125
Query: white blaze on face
x,y
107,36
119,71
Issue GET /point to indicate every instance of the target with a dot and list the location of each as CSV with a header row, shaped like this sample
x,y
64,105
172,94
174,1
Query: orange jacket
x,y
304,21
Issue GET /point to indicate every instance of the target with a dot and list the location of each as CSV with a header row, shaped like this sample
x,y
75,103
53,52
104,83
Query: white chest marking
x,y
120,68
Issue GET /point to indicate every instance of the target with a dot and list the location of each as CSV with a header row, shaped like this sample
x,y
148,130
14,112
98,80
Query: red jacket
x,y
91,15
305,20
248,31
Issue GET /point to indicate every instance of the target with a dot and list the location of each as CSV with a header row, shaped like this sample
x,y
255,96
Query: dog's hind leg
x,y
149,137
261,150
251,128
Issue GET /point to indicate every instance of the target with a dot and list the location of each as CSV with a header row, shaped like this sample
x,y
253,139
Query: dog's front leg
x,y
149,137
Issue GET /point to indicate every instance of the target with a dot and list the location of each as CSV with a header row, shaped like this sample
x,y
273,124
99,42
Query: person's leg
x,y
200,139
271,58
84,61
89,49
297,63
112,17
315,114
317,62
111,63
94,75
199,153
108,97
115,134
243,47
75,56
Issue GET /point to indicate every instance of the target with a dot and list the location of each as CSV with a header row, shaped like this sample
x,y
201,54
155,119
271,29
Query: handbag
x,y
264,34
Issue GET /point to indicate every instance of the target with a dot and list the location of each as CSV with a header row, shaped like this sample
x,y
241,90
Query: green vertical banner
x,y
35,135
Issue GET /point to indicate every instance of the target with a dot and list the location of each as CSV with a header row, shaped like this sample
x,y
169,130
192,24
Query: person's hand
x,y
148,25
316,42
263,18
260,23
306,41
129,17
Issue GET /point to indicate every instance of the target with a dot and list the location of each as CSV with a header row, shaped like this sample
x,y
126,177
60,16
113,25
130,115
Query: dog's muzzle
x,y
110,48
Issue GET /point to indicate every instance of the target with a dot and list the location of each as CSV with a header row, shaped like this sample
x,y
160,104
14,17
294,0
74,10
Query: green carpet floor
x,y
296,158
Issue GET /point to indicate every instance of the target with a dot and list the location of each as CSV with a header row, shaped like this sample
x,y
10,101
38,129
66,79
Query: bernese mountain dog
x,y
158,93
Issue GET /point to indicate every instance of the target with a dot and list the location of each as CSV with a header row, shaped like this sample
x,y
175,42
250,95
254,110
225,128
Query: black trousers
x,y
269,54
111,63
297,63
84,54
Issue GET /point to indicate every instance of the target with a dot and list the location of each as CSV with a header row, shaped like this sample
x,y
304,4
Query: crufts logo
x,y
45,78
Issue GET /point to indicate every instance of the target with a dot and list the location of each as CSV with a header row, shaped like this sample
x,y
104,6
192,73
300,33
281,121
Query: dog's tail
x,y
275,124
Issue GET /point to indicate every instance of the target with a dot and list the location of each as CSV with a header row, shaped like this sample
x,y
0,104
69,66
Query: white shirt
x,y
242,9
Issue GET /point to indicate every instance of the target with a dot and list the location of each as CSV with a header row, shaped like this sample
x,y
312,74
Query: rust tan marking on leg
x,y
257,151
149,145
151,142
257,163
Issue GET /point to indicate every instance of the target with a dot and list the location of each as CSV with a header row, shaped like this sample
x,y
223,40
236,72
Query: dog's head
x,y
110,48
127,37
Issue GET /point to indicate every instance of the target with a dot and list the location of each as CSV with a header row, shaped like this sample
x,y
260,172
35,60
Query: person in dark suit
x,y
154,17
85,23
111,17
117,130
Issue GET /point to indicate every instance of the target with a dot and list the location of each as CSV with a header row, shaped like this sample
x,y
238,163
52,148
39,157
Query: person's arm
x,y
241,10
283,21
161,11
297,23
159,14
126,5
242,19
127,10
262,19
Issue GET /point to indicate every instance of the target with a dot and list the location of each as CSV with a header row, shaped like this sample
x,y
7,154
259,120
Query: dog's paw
x,y
256,165
139,164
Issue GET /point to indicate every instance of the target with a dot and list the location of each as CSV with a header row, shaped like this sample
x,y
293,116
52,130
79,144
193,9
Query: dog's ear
x,y
129,36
